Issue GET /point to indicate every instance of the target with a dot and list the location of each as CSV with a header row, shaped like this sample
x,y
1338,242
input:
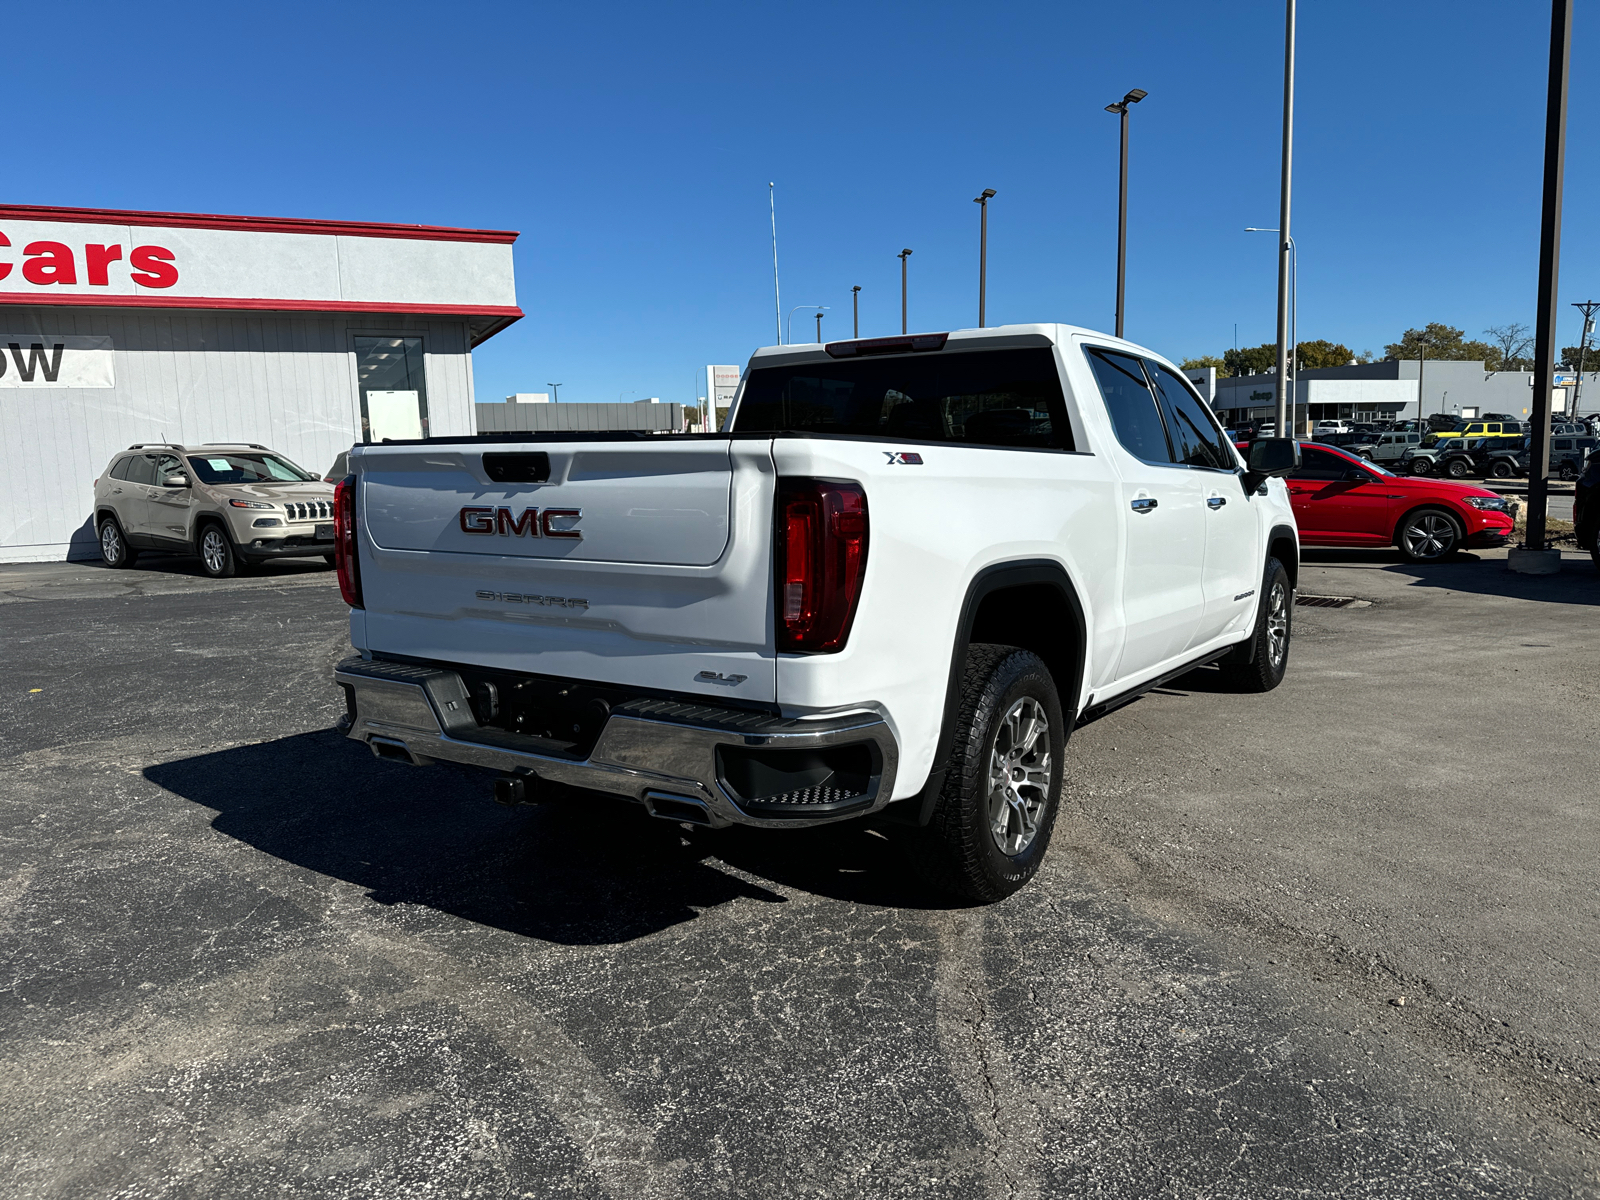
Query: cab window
x,y
1131,404
1197,442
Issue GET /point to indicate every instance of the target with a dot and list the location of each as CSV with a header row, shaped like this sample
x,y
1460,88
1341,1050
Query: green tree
x,y
1442,342
1569,359
1323,354
1252,360
1204,361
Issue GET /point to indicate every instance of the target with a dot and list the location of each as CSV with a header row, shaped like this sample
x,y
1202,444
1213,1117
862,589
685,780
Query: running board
x,y
1093,711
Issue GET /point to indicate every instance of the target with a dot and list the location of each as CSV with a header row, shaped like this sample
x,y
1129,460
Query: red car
x,y
1342,500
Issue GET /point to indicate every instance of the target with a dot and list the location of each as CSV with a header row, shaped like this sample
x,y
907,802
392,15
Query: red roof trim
x,y
116,216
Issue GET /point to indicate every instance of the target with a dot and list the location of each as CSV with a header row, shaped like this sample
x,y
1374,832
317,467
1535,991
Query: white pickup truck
x,y
893,585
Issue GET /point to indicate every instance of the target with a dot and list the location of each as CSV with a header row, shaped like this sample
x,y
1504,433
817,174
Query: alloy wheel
x,y
1019,776
1430,535
110,542
214,551
1277,624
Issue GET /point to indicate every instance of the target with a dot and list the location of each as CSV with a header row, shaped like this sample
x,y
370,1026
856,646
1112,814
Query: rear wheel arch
x,y
1032,605
1283,544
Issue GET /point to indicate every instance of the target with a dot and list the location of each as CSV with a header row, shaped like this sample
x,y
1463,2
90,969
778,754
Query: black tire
x,y
331,559
1420,466
218,559
1567,471
1257,664
1429,535
1456,468
959,850
114,549
1501,469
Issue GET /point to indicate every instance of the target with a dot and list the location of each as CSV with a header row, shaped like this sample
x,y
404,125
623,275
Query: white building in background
x,y
306,336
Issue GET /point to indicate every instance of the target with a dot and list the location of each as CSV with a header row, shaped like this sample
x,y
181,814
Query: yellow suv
x,y
1483,429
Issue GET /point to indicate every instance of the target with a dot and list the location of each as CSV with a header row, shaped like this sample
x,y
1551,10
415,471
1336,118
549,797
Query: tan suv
x,y
233,504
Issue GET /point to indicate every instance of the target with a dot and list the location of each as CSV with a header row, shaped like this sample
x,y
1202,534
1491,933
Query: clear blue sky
x,y
632,145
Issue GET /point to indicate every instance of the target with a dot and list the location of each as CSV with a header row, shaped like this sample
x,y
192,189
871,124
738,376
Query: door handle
x,y
1144,504
1215,502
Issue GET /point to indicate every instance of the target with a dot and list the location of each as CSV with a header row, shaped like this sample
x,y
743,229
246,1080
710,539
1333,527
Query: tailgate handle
x,y
530,467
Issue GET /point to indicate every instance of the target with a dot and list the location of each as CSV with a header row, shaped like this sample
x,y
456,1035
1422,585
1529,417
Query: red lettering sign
x,y
154,262
96,258
50,262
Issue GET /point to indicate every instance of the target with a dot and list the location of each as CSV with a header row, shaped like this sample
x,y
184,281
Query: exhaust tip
x,y
395,750
677,808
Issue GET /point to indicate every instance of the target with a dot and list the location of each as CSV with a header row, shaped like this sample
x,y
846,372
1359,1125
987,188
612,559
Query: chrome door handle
x,y
1144,504
1215,502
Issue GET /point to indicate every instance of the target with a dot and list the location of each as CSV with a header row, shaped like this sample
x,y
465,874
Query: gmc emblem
x,y
532,522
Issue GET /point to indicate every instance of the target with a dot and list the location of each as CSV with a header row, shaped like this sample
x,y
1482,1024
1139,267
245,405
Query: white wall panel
x,y
284,380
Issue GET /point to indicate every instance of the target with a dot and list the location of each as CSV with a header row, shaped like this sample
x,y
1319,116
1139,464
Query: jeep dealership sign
x,y
28,360
141,260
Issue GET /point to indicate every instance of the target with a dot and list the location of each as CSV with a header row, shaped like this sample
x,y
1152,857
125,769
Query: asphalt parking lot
x,y
1337,940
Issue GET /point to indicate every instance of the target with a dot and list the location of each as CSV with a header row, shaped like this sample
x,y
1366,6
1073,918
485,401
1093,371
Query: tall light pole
x,y
555,392
1294,311
902,256
1422,367
1587,309
819,326
855,311
789,324
777,302
1285,411
983,245
1121,109
1535,556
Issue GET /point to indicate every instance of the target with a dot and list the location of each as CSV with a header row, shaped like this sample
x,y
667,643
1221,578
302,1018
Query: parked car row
x,y
1498,458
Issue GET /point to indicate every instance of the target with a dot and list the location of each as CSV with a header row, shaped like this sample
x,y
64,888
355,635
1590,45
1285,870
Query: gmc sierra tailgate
x,y
642,563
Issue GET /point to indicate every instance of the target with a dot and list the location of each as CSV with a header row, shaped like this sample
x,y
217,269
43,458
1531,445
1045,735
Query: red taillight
x,y
344,541
821,561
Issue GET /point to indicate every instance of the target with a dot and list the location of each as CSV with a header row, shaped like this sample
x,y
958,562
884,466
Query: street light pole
x,y
789,324
1285,412
1587,309
983,245
1422,368
1534,550
902,256
1294,311
1121,109
855,311
555,392
819,326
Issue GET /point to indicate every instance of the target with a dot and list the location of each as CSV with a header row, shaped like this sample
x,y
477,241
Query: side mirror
x,y
175,481
1269,457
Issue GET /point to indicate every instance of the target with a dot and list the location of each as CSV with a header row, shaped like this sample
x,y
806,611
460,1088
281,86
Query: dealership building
x,y
305,336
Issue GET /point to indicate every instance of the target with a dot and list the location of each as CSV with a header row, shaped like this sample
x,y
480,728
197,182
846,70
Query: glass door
x,y
394,388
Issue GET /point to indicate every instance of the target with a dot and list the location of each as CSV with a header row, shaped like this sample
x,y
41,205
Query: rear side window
x,y
1319,464
141,469
119,469
985,398
1563,444
1132,405
1196,439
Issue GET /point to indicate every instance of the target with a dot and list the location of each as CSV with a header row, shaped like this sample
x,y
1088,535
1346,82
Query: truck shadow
x,y
584,870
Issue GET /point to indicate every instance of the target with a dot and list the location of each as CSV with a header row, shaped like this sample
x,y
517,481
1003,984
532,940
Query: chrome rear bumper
x,y
662,753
